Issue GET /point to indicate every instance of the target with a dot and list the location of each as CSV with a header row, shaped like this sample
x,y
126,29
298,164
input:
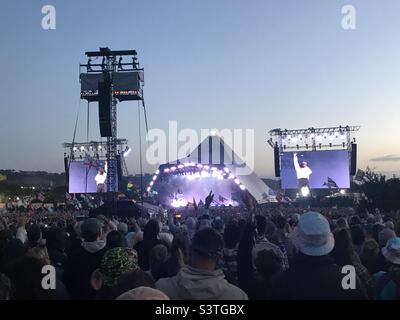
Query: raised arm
x,y
296,162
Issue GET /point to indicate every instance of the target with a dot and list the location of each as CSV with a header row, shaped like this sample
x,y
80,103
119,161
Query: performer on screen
x,y
303,173
100,179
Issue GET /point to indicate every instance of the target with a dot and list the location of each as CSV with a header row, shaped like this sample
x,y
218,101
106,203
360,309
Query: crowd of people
x,y
252,252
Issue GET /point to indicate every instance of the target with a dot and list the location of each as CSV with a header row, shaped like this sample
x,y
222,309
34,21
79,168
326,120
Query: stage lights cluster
x,y
312,138
95,149
194,171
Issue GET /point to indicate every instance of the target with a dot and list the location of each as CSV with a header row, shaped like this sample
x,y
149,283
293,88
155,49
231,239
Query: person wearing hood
x,y
85,260
201,280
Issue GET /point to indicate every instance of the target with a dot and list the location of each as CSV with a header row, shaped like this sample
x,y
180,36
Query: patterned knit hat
x,y
115,262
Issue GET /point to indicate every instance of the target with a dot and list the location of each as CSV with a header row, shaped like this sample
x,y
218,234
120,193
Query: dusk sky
x,y
257,64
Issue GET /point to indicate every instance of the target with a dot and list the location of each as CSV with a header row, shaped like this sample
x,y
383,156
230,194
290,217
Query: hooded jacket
x,y
197,284
79,269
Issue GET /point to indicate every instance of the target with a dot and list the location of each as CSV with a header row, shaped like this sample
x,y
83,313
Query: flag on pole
x,y
91,162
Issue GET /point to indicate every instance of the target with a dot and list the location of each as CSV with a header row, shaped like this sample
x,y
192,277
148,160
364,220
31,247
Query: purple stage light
x,y
177,203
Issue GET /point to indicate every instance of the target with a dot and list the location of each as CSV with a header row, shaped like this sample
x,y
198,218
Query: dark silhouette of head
x,y
55,238
159,261
344,252
151,230
261,225
206,249
34,233
268,263
114,239
231,235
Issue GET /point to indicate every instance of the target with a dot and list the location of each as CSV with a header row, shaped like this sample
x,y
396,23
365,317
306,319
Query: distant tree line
x,y
379,192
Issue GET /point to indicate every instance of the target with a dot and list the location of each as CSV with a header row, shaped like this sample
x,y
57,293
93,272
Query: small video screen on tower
x,y
88,176
315,169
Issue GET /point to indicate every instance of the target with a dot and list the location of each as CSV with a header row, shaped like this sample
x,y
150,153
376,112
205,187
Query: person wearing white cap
x,y
313,274
388,283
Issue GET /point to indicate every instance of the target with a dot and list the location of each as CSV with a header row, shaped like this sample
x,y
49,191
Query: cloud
x,y
389,157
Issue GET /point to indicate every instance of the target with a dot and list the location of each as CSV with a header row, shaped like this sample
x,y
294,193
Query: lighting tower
x,y
110,82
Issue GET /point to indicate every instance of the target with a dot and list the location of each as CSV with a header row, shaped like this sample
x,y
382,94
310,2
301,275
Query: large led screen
x,y
316,169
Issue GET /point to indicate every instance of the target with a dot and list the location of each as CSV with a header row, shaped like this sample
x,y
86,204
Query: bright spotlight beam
x,y
305,192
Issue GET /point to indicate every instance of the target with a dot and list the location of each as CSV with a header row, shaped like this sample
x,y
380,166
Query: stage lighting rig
x,y
331,138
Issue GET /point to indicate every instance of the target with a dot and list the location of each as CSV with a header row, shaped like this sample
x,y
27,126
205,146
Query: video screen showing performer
x,y
89,176
328,169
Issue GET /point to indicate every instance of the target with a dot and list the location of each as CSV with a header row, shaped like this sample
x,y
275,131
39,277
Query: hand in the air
x,y
195,204
248,201
209,200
